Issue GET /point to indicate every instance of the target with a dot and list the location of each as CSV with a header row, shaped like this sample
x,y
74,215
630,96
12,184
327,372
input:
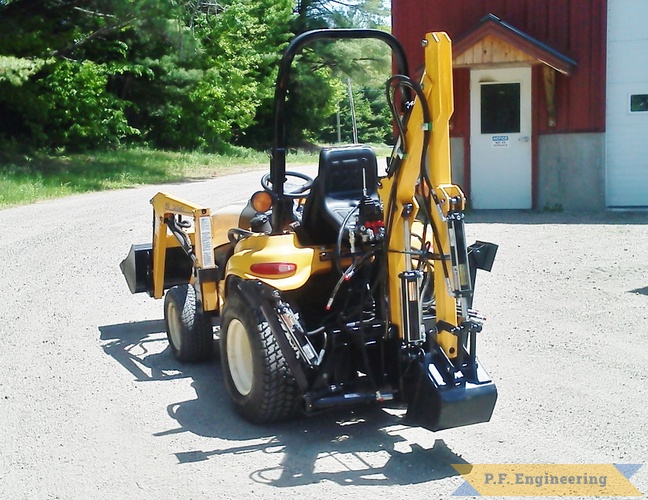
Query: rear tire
x,y
256,374
189,330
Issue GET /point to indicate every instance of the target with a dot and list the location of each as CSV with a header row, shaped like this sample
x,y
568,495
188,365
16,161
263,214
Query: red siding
x,y
577,28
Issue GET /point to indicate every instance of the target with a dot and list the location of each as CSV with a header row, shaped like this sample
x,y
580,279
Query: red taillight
x,y
283,269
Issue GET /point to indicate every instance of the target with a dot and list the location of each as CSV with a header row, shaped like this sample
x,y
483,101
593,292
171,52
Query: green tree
x,y
179,74
371,114
77,48
242,45
171,73
316,88
313,14
70,107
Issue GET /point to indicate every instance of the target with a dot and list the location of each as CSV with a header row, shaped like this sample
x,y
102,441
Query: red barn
x,y
551,98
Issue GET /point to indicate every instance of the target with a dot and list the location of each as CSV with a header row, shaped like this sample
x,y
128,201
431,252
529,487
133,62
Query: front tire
x,y
256,375
189,330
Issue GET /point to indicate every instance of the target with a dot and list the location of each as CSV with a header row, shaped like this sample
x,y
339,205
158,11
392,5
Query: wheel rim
x,y
239,357
174,325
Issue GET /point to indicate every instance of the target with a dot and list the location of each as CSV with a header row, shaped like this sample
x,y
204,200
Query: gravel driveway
x,y
93,405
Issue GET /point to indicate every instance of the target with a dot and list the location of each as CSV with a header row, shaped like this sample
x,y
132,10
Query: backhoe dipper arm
x,y
426,132
165,208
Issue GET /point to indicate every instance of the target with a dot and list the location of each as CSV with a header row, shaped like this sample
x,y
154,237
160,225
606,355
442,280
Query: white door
x,y
627,104
500,138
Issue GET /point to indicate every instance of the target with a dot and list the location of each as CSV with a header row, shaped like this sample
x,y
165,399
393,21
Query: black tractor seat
x,y
344,174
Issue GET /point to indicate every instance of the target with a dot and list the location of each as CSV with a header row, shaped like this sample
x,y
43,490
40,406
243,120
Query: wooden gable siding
x,y
491,49
576,28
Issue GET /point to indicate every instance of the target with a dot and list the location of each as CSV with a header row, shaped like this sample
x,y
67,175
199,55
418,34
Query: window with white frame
x,y
638,103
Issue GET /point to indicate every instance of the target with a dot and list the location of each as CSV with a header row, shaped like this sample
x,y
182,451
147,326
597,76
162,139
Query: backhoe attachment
x,y
450,389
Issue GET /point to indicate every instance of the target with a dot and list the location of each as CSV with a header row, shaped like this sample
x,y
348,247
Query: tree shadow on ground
x,y
361,446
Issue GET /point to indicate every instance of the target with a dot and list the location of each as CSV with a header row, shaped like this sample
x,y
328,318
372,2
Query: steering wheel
x,y
297,192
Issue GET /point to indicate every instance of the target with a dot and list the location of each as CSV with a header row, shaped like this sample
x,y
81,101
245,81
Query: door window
x,y
500,108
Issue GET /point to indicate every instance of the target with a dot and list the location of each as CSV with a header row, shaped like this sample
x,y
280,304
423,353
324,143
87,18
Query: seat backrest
x,y
344,173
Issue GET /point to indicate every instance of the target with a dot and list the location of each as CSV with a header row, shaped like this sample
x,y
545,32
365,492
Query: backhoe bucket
x,y
441,403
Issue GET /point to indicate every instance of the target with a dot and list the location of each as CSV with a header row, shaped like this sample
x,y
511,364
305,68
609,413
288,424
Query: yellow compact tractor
x,y
347,289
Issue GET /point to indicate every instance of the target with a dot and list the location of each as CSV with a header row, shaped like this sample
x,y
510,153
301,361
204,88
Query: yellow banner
x,y
547,480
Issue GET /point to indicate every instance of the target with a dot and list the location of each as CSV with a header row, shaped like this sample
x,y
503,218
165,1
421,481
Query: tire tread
x,y
277,397
196,327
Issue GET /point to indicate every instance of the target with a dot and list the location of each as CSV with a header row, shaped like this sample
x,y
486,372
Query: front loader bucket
x,y
137,268
438,403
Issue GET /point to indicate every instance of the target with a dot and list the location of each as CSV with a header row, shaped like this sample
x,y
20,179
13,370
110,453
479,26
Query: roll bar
x,y
282,206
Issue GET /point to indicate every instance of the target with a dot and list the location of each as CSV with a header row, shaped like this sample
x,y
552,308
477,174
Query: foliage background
x,y
182,74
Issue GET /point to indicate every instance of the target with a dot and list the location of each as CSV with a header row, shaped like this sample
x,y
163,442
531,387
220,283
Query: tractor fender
x,y
261,257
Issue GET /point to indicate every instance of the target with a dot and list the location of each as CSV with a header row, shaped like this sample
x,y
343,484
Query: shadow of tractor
x,y
363,446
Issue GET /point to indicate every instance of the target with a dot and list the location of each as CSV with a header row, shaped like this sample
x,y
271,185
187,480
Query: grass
x,y
25,178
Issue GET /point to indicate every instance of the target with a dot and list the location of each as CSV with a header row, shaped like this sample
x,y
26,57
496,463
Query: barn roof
x,y
495,42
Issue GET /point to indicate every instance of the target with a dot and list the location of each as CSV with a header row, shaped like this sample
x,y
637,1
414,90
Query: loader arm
x,y
168,232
